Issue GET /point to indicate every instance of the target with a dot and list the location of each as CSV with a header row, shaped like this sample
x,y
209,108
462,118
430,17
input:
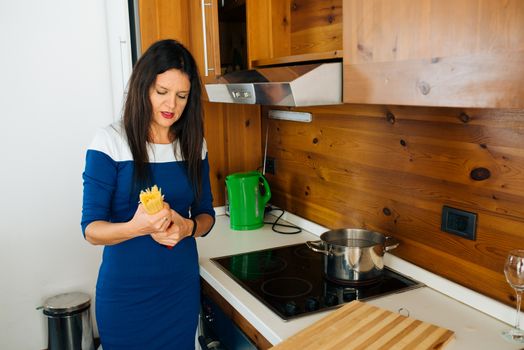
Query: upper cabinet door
x,y
213,30
205,37
459,53
163,20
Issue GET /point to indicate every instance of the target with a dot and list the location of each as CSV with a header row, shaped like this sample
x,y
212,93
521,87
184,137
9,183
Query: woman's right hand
x,y
144,223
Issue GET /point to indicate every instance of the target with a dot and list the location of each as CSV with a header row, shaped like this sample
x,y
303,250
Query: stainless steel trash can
x,y
69,322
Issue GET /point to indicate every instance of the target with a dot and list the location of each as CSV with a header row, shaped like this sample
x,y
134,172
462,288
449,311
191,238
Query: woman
x,y
147,295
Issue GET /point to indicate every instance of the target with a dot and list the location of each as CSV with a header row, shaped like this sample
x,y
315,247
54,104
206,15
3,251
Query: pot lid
x,y
66,303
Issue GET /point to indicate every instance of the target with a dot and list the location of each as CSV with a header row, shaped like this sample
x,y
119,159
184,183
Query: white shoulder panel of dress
x,y
112,141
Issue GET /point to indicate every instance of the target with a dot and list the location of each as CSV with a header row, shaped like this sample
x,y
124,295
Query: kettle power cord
x,y
275,223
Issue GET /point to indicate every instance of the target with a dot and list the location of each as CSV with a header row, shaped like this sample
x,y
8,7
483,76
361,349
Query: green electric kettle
x,y
247,194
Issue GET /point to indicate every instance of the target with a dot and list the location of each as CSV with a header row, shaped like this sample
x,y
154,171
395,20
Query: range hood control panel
x,y
242,93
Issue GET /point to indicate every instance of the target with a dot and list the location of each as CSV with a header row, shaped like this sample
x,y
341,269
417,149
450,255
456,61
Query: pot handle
x,y
315,246
390,243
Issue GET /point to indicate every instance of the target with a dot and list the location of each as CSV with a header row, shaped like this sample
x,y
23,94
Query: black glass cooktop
x,y
290,281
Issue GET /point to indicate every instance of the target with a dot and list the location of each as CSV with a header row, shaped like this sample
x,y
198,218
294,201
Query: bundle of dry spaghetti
x,y
152,199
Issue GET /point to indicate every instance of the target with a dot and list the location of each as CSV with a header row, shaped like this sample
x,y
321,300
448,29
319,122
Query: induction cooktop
x,y
290,281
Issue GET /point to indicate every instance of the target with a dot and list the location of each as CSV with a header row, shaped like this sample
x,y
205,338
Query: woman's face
x,y
168,95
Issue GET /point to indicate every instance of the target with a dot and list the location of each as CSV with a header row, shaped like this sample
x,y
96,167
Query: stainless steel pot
x,y
353,255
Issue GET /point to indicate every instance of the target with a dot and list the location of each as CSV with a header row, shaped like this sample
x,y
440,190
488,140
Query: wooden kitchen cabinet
x,y
197,24
284,31
460,53
260,32
163,19
272,32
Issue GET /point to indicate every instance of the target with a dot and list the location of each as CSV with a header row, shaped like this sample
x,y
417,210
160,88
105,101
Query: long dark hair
x,y
138,112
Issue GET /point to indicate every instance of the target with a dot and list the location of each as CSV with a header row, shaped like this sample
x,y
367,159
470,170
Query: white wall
x,y
55,91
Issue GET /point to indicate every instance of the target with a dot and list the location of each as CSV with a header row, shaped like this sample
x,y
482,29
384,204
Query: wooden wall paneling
x,y
488,250
392,168
244,151
485,281
443,159
163,19
237,140
352,185
215,126
233,135
451,157
316,26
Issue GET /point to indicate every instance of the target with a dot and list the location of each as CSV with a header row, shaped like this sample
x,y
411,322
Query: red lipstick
x,y
167,115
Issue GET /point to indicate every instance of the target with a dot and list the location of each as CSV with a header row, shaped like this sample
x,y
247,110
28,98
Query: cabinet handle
x,y
206,65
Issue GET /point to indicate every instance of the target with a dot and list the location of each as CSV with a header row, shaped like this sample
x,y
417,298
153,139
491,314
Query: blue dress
x,y
147,296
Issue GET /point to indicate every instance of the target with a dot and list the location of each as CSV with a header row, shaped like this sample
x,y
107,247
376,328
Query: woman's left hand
x,y
179,229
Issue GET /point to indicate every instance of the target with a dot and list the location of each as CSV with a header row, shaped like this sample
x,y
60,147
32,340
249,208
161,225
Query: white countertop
x,y
473,329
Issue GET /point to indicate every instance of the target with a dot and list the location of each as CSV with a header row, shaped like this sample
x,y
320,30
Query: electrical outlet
x,y
270,165
459,222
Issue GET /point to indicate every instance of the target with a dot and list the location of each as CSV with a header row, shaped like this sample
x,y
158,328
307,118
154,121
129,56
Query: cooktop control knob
x,y
312,304
330,300
350,294
291,308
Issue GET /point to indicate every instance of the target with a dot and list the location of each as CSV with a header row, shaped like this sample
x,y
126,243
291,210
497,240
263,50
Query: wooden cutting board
x,y
358,325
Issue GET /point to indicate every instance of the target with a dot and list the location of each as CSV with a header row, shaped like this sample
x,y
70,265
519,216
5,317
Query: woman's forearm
x,y
204,224
142,223
109,233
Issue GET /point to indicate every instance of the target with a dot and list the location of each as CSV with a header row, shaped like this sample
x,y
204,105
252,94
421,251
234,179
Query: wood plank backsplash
x,y
392,168
233,137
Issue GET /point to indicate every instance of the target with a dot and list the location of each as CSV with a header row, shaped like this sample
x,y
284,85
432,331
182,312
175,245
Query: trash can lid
x,y
67,302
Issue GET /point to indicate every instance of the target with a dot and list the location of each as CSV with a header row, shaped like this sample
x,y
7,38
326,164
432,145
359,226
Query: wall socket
x,y
270,165
459,222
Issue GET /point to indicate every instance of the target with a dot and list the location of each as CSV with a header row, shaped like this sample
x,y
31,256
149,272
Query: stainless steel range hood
x,y
298,85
